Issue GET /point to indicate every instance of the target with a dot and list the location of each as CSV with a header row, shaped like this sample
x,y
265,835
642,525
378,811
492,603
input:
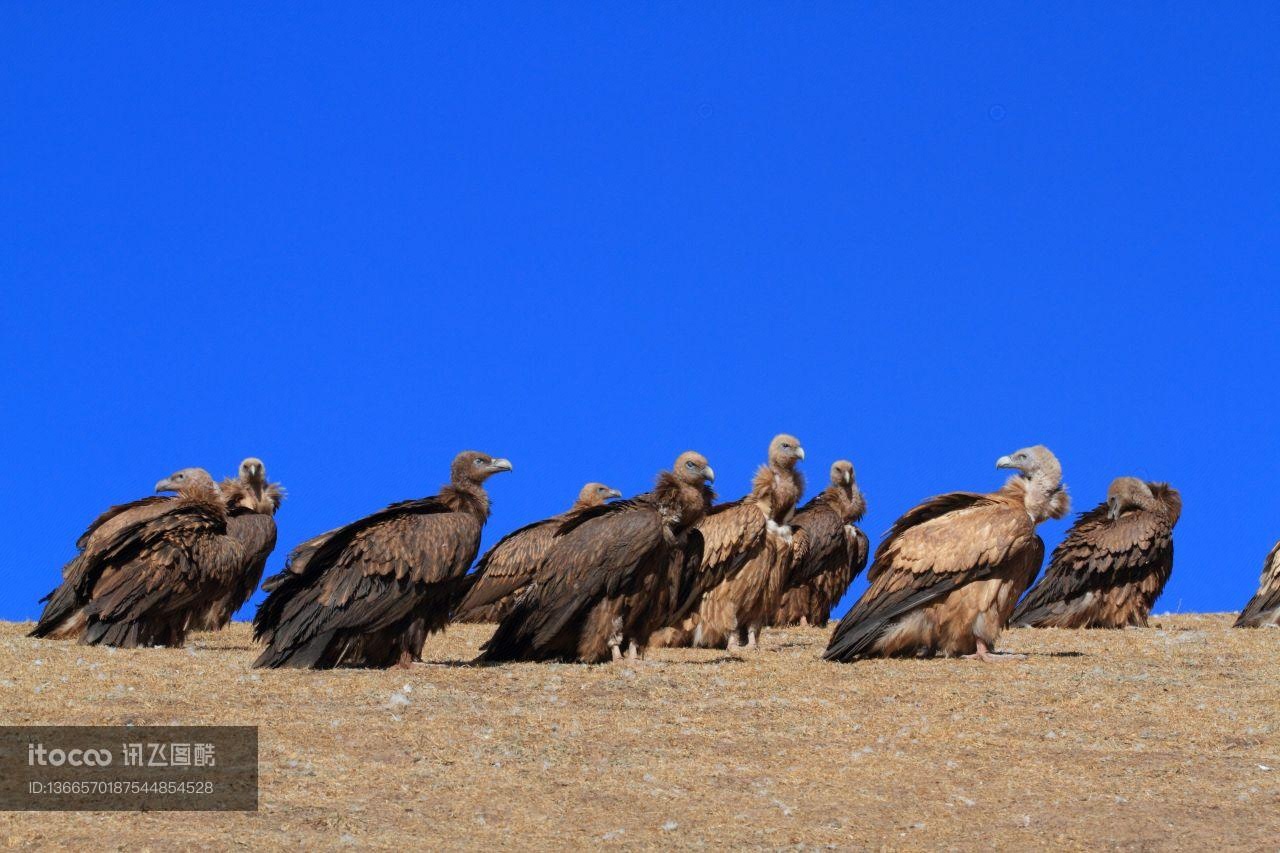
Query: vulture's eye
x,y
180,477
786,446
479,461
688,465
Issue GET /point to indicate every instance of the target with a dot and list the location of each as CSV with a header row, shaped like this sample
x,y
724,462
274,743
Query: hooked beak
x,y
166,485
709,473
799,452
614,493
500,465
1113,510
1005,462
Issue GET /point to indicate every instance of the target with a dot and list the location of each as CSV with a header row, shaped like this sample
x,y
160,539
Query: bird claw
x,y
993,657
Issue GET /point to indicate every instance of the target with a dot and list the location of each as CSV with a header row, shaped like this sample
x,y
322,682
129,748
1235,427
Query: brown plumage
x,y
1263,610
1113,563
508,567
827,551
146,571
747,553
612,575
947,575
367,594
251,507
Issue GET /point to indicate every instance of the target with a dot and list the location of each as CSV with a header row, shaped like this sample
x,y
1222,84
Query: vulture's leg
x,y
753,637
632,652
406,660
615,640
804,621
985,654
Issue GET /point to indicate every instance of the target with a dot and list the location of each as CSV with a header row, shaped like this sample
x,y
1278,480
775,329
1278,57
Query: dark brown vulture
x,y
827,551
251,507
145,572
747,547
507,568
367,594
949,572
612,575
1263,610
1113,563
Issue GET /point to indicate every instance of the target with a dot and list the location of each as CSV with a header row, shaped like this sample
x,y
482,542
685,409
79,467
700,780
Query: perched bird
x,y
747,552
367,594
145,572
947,575
251,507
612,574
1113,563
827,551
1263,610
507,568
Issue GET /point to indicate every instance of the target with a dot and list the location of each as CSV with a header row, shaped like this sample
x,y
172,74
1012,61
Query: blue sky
x,y
354,239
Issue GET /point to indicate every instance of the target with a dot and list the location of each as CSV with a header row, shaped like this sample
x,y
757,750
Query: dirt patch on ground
x,y
1160,738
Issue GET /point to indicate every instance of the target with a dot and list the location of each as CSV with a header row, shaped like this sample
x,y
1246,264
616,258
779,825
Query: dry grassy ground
x,y
1162,738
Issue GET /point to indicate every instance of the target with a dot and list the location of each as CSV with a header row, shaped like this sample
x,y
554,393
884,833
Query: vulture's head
x,y
1128,493
842,473
785,451
1033,463
471,466
692,468
595,494
185,479
252,471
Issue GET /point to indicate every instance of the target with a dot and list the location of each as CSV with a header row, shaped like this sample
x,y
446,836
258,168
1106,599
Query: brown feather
x,y
746,557
950,571
609,576
1263,610
1108,572
144,575
827,551
509,566
368,593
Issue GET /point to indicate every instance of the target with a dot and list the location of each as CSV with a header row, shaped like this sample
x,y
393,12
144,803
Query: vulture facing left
x,y
251,507
827,551
1113,563
1263,610
368,593
146,572
947,575
508,567
612,575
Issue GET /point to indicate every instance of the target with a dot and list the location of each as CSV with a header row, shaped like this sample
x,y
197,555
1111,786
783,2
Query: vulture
x,y
827,551
251,507
948,573
1113,563
1263,610
368,593
747,553
506,569
145,571
612,575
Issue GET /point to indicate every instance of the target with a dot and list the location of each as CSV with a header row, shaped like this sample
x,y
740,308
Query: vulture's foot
x,y
804,621
753,639
615,651
985,655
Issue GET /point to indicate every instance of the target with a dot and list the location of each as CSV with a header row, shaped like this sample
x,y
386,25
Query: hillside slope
x,y
1157,738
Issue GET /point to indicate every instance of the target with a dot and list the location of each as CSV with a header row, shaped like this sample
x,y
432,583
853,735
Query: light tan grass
x,y
1143,739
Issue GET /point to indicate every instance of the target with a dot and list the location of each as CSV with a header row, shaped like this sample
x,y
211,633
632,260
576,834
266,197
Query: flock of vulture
x,y
612,577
